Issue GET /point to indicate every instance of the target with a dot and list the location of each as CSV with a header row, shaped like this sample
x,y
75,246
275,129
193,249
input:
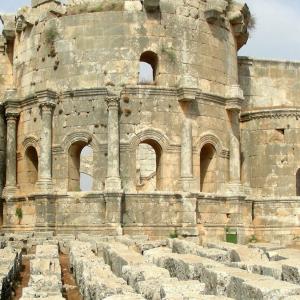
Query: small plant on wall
x,y
50,35
19,214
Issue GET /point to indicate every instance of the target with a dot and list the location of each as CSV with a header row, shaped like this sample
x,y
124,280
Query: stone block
x,y
46,251
136,273
117,255
181,290
291,271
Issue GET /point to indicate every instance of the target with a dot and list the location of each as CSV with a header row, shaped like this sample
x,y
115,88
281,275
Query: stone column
x,y
2,148
11,155
44,183
187,179
113,181
235,160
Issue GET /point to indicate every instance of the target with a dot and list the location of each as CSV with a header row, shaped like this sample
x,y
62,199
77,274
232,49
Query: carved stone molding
x,y
271,114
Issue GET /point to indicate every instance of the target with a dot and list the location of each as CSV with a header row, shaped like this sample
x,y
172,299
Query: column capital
x,y
112,102
11,116
46,106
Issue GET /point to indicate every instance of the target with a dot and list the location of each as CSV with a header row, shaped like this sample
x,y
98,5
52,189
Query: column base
x,y
113,184
9,192
235,189
188,184
44,186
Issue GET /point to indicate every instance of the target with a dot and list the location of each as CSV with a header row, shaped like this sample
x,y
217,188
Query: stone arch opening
x,y
208,173
298,182
31,167
149,166
148,67
80,157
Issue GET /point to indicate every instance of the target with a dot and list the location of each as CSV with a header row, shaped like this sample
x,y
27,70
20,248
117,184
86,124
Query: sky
x,y
277,32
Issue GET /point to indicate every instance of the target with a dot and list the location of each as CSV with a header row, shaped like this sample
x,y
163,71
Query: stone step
x,y
220,279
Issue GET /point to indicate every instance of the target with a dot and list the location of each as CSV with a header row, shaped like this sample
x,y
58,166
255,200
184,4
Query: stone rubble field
x,y
133,268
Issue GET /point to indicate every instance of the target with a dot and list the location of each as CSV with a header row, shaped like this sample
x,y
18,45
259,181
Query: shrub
x,y
51,34
173,235
19,213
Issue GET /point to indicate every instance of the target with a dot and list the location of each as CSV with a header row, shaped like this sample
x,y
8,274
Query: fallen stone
x,y
136,273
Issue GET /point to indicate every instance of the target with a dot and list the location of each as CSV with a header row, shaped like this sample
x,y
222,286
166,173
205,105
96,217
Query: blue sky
x,y
277,33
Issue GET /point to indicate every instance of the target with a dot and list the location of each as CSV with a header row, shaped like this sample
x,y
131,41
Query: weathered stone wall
x,y
270,148
269,84
83,51
76,74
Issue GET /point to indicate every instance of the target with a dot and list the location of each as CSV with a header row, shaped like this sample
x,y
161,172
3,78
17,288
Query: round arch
x,y
80,136
209,138
154,135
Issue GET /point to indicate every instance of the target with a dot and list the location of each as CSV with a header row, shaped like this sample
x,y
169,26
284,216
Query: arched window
x,y
208,176
148,166
32,167
298,183
80,167
148,67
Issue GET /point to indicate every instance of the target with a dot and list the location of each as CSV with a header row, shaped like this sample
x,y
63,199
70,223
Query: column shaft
x,y
186,149
186,169
45,162
113,182
2,148
11,154
235,172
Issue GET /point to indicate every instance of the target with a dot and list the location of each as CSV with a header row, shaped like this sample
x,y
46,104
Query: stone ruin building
x,y
206,142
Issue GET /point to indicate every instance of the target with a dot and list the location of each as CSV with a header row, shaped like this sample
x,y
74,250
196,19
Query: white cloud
x,y
277,30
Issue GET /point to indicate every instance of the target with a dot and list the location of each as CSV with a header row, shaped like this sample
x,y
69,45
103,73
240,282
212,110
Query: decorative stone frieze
x,y
272,113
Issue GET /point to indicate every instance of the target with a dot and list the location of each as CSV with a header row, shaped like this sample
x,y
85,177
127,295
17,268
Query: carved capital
x,y
47,106
11,116
112,102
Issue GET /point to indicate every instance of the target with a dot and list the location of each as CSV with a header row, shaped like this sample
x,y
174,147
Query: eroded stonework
x,y
207,142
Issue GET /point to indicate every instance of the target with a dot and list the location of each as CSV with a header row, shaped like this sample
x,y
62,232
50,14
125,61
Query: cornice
x,y
271,113
179,94
85,92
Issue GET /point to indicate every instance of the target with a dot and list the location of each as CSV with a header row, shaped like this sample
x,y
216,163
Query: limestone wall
x,y
270,147
103,49
269,84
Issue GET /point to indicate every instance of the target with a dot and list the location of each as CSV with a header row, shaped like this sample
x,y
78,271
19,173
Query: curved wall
x,y
103,49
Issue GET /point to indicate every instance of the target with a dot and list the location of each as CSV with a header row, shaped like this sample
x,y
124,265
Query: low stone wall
x,y
158,215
